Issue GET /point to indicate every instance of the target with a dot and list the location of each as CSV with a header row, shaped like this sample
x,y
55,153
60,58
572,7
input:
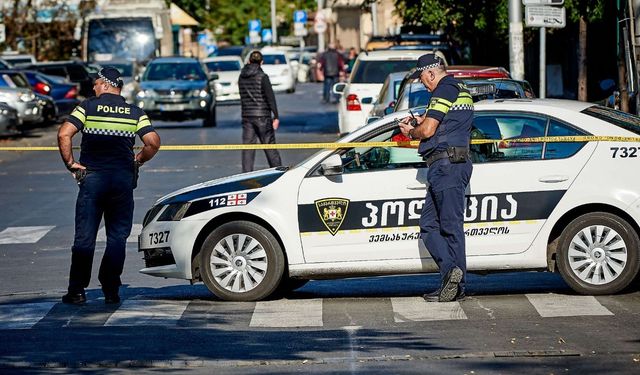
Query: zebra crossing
x,y
34,234
314,313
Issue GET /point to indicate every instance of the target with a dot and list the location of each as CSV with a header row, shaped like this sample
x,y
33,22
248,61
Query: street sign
x,y
202,39
299,29
320,24
3,35
300,16
267,35
542,2
544,16
255,26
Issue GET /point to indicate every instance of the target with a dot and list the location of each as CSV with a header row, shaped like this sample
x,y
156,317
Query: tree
x,y
583,12
464,23
231,18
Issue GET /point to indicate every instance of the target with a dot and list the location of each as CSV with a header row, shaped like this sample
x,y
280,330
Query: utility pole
x,y
274,29
516,43
320,35
374,17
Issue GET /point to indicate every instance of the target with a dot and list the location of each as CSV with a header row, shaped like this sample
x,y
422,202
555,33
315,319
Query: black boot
x,y
74,298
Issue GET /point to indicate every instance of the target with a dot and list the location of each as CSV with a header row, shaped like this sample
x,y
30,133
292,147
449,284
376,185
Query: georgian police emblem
x,y
332,212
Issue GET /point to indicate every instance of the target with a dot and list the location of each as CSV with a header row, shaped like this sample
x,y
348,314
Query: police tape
x,y
338,145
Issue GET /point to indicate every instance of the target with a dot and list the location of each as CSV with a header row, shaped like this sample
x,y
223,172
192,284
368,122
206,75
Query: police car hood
x,y
239,182
172,85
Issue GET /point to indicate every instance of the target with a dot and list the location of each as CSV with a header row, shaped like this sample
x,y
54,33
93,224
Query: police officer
x,y
107,174
444,132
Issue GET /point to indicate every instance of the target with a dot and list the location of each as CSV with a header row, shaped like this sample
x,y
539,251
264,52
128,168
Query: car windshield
x,y
223,66
274,59
618,118
121,38
366,71
174,72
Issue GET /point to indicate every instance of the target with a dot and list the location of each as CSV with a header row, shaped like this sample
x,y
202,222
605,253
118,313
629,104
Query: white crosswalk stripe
x,y
554,305
147,312
287,313
133,237
23,316
416,309
20,235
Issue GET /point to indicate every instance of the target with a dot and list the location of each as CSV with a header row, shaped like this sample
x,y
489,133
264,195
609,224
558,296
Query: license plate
x,y
172,107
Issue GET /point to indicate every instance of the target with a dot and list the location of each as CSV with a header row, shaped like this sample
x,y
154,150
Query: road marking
x,y
133,237
23,316
288,313
552,305
18,235
147,312
416,309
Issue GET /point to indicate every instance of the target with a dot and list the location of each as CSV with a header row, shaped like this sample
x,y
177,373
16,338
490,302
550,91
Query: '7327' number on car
x,y
158,237
625,152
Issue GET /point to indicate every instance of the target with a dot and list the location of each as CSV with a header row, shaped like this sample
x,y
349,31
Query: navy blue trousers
x,y
442,218
327,88
108,194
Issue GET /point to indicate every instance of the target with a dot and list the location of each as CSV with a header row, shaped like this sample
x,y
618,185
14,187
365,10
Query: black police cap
x,y
110,75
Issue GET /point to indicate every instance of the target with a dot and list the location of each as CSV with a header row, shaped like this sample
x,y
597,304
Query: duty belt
x,y
453,153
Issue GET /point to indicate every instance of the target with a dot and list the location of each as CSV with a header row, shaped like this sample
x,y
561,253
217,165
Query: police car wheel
x,y
598,254
241,261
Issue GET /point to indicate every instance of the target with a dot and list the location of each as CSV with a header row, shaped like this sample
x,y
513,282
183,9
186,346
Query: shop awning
x,y
180,17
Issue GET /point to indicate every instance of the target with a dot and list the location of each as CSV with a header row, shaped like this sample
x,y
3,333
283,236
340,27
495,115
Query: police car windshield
x,y
223,66
174,72
367,71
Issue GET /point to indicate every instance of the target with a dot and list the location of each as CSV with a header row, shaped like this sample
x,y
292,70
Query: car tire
x,y
241,261
210,120
291,90
598,254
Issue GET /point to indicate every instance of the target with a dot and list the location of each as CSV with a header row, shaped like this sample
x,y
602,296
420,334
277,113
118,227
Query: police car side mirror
x,y
338,88
331,166
213,76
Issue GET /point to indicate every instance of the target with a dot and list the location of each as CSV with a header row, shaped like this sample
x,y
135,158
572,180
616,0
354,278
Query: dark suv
x,y
177,88
74,71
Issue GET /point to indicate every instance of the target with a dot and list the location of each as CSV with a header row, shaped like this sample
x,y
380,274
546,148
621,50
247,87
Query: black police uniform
x,y
446,155
109,126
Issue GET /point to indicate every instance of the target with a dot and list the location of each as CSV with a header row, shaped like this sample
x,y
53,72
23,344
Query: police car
x,y
570,207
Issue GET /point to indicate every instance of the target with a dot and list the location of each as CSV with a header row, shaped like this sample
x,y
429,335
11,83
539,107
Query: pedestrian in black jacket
x,y
258,102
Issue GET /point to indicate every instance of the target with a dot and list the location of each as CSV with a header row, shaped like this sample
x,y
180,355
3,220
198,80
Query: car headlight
x,y
4,112
174,212
285,72
27,97
144,94
199,93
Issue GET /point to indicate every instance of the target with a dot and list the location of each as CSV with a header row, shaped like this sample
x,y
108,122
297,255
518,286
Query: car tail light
x,y
353,104
42,88
71,94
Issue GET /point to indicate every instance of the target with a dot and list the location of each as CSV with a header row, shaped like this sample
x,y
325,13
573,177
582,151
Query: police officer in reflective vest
x,y
106,173
444,132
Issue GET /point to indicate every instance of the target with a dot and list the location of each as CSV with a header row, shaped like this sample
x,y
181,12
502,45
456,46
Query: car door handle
x,y
553,178
417,187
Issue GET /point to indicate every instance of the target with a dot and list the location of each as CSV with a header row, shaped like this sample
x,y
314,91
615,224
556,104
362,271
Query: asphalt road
x,y
511,322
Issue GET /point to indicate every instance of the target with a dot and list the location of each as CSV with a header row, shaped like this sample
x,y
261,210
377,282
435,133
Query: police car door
x,y
370,211
515,186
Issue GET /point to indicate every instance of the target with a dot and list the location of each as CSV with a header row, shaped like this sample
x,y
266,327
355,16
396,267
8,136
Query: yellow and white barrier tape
x,y
335,145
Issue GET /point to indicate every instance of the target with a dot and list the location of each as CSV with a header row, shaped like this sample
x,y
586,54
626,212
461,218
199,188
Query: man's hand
x,y
404,127
75,166
275,123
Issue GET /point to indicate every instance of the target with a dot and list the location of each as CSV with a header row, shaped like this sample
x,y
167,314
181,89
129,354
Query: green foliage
x,y
231,18
591,10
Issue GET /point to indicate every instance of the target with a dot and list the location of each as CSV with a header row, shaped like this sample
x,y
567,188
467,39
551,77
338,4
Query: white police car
x,y
571,207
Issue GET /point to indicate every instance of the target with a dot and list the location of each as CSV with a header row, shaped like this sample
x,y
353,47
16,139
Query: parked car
x,y
387,96
177,88
355,211
48,108
227,68
9,119
63,92
23,99
276,65
73,71
366,79
302,66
